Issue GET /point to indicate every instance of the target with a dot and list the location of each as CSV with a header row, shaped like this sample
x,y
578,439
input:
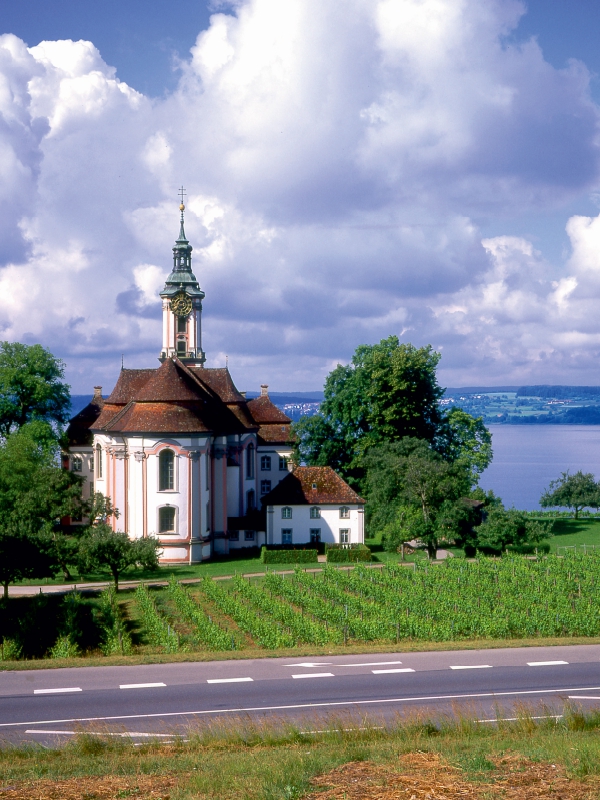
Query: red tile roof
x,y
169,384
296,489
149,417
274,434
129,383
219,380
264,411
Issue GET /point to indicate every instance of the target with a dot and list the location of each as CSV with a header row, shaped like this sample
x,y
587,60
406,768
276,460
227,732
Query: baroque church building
x,y
184,456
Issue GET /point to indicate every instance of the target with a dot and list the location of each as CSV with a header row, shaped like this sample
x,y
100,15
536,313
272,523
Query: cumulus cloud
x,y
340,160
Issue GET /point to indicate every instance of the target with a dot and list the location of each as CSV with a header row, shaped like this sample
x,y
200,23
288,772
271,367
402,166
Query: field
x,y
493,599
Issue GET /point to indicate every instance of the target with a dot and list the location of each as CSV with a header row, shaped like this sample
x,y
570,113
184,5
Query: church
x,y
186,457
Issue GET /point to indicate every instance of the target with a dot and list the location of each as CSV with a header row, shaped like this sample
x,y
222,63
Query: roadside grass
x,y
150,655
250,759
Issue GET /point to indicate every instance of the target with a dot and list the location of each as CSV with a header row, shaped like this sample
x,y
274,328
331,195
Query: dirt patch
x,y
110,787
424,776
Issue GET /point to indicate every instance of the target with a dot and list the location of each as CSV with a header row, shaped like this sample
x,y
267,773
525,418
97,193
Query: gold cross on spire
x,y
182,194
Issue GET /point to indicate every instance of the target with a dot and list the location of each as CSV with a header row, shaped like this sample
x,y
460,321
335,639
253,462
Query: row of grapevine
x,y
262,629
301,626
115,636
211,635
157,629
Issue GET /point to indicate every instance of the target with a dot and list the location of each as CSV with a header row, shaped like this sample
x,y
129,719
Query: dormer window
x,y
314,487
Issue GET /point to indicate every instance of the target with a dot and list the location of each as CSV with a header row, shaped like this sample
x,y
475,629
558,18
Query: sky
x,y
354,169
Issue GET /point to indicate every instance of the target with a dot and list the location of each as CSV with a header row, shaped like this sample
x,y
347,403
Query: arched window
x,y
250,461
98,461
286,512
166,519
315,512
166,470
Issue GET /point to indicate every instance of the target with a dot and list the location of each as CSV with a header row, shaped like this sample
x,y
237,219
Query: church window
x,y
315,512
265,487
250,461
344,512
286,512
166,471
250,500
283,463
76,464
166,519
286,536
181,346
98,461
181,324
265,463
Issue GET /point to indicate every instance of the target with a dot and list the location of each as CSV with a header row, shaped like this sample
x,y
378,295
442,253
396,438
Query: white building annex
x,y
184,456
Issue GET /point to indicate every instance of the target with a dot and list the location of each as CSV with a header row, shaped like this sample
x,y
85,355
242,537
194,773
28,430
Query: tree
x,y
31,387
508,527
576,491
103,548
34,493
465,439
412,490
388,392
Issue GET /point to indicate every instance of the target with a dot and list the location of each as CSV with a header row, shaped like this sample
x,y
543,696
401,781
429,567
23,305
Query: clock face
x,y
181,305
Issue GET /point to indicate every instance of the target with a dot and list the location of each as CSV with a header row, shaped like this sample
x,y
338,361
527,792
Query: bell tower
x,y
182,305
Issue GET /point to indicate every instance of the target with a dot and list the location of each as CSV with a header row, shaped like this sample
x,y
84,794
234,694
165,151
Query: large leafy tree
x,y
464,439
576,491
34,493
32,387
388,391
414,493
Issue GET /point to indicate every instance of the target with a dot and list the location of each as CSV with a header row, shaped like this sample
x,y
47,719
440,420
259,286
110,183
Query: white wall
x,y
329,522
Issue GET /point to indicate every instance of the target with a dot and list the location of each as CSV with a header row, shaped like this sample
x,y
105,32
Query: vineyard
x,y
512,597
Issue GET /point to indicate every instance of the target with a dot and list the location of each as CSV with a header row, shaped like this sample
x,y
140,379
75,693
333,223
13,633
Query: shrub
x,y
288,556
10,650
343,554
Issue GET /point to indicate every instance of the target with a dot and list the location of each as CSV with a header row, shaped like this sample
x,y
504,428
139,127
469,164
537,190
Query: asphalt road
x,y
47,706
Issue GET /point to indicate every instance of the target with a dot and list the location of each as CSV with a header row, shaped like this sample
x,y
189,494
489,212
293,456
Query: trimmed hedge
x,y
288,556
342,554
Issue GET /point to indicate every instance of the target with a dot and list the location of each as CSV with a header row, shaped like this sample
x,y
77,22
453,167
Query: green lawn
x,y
574,532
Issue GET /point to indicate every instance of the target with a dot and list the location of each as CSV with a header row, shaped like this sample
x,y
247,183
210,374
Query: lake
x,y
528,457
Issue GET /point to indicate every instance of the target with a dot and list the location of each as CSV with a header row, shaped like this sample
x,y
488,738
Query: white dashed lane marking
x,y
545,663
229,680
141,685
57,691
314,675
473,666
387,671
371,664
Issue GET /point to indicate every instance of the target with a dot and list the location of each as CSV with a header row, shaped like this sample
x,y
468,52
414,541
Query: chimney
x,y
264,390
97,393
